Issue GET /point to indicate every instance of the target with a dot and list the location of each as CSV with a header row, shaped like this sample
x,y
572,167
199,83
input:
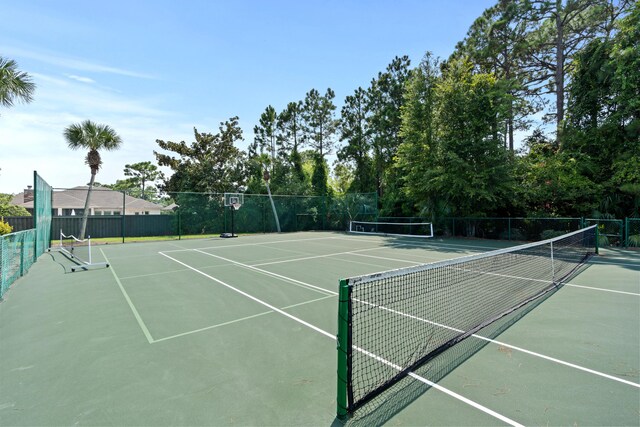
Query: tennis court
x,y
242,332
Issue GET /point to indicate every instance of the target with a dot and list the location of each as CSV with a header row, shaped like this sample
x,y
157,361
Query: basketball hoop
x,y
236,206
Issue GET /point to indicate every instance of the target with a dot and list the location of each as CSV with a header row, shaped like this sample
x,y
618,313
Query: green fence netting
x,y
197,214
19,250
42,212
205,213
17,254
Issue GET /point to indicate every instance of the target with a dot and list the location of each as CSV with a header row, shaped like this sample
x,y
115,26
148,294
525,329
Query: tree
x,y
94,137
210,164
416,154
320,176
319,129
553,182
7,209
290,138
471,170
14,84
342,179
495,43
355,133
559,29
603,121
265,133
319,122
142,173
386,97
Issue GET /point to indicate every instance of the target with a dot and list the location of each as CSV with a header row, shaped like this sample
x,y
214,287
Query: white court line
x,y
602,289
442,389
327,334
431,244
195,331
608,262
269,273
516,277
559,361
513,347
253,244
251,297
141,323
353,252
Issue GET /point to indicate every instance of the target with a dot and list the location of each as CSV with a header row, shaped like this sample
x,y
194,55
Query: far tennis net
x,y
402,229
391,323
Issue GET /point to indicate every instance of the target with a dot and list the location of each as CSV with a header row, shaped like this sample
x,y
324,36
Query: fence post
x,y
124,202
22,250
622,233
179,226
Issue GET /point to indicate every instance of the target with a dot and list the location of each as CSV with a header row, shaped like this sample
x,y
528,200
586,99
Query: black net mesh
x,y
401,319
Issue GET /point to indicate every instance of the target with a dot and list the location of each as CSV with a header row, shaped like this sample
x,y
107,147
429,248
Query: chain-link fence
x,y
200,213
517,229
632,232
610,231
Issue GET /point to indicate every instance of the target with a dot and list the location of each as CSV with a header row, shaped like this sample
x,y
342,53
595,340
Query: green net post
x,y
344,350
597,240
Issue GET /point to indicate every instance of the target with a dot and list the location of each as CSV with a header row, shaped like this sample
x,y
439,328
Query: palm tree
x,y
94,137
14,84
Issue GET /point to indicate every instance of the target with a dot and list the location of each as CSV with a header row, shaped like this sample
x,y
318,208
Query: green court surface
x,y
242,332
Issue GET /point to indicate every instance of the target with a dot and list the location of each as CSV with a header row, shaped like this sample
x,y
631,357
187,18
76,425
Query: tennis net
x,y
78,251
403,229
391,323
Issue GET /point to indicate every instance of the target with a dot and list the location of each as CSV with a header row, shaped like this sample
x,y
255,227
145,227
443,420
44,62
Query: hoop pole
x,y
233,211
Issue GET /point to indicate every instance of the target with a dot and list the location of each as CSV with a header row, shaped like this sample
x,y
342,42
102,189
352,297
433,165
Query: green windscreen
x,y
42,213
18,251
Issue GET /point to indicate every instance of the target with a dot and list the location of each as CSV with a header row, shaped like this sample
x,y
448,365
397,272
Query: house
x,y
103,202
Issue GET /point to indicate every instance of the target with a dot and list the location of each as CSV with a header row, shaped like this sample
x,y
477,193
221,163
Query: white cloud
x,y
80,78
70,63
31,136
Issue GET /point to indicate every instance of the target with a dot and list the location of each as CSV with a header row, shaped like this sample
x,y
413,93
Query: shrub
x,y
5,228
634,241
603,240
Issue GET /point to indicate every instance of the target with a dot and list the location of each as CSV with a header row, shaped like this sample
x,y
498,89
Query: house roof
x,y
101,198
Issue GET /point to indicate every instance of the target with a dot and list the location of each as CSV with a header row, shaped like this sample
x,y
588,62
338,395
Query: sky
x,y
157,69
